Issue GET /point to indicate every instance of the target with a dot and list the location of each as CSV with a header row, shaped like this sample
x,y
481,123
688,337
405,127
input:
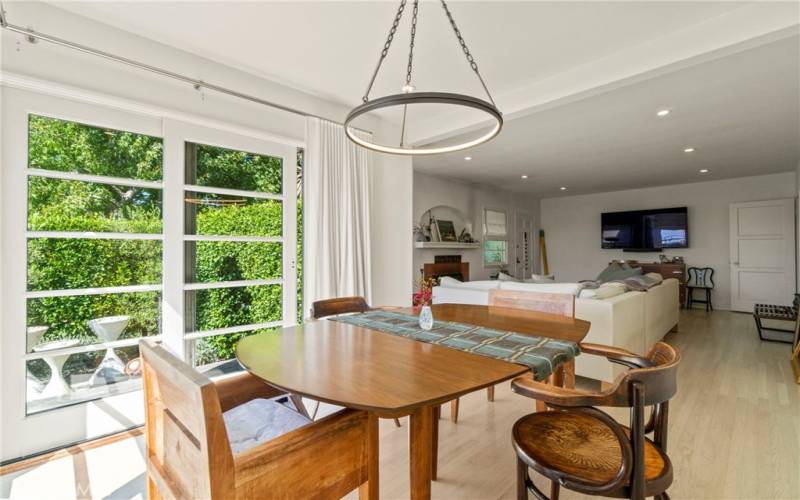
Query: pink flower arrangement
x,y
425,294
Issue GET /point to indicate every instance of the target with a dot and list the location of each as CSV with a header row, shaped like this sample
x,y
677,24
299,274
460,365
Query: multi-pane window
x,y
94,254
121,225
233,248
495,231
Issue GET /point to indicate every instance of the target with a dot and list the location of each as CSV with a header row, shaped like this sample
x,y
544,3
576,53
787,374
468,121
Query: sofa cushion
x,y
570,288
447,282
258,421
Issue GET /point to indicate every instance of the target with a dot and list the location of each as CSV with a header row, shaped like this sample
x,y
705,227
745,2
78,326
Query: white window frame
x,y
487,235
24,434
176,135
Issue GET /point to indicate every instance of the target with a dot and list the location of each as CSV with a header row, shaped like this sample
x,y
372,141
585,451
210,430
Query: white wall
x,y
470,199
572,225
392,241
797,228
50,63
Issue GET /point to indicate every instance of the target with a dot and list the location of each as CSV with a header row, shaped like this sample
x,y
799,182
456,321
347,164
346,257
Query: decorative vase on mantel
x,y
426,317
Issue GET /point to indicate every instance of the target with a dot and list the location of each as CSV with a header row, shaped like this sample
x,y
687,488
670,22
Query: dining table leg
x,y
569,374
435,443
421,452
370,490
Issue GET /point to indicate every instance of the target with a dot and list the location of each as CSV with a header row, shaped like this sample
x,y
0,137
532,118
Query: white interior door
x,y
762,253
524,247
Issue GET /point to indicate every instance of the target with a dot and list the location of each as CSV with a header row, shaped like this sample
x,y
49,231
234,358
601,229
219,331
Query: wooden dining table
x,y
392,376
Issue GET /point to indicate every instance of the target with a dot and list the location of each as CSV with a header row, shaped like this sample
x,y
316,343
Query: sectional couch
x,y
632,320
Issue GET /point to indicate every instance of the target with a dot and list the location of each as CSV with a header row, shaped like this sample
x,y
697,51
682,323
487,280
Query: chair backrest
x,y
700,277
341,305
562,304
188,452
657,372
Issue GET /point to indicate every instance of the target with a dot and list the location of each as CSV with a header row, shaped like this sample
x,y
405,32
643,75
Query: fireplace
x,y
446,265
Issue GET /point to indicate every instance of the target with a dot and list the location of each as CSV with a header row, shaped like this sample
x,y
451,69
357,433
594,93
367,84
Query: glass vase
x,y
426,318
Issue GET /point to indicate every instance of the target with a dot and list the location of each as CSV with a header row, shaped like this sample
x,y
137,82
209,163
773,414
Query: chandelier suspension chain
x,y
408,87
470,59
411,45
386,46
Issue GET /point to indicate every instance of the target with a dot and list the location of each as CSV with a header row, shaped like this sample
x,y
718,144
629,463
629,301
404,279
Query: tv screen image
x,y
646,229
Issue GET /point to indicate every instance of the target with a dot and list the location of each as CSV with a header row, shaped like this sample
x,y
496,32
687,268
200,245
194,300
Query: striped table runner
x,y
540,354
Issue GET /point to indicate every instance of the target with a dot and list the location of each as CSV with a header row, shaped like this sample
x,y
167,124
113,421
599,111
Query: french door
x,y
119,225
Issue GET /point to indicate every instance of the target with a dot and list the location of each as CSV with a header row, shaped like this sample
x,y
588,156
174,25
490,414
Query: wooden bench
x,y
774,312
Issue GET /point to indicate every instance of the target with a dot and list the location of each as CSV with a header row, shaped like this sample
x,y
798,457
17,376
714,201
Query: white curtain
x,y
337,177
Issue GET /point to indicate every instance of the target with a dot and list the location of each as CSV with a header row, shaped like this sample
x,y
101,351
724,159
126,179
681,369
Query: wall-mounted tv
x,y
646,230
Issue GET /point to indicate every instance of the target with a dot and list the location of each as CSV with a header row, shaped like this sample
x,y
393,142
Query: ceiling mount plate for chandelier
x,y
410,97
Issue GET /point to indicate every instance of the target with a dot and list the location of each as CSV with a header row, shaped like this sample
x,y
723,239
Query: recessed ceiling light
x,y
468,158
563,188
688,150
663,112
703,170
524,176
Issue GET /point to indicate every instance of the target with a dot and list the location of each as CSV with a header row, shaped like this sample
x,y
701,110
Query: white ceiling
x,y
624,60
330,48
740,112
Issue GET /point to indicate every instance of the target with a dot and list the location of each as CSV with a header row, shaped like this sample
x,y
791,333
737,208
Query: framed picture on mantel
x,y
447,231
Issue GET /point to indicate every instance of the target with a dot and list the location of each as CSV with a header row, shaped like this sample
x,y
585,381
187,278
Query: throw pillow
x,y
641,283
657,277
608,271
542,277
448,282
620,274
506,277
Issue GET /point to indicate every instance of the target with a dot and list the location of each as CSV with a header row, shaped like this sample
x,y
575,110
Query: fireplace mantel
x,y
445,244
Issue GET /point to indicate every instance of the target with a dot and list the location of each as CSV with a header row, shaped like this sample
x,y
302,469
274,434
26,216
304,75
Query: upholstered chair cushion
x,y
258,421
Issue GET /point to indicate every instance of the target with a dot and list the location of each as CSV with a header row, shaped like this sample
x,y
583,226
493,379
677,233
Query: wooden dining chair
x,y
582,448
230,439
562,304
333,307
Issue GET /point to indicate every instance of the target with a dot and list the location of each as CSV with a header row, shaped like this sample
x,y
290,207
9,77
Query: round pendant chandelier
x,y
410,97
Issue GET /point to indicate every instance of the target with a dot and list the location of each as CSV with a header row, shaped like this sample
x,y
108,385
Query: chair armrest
x,y
616,355
239,389
557,396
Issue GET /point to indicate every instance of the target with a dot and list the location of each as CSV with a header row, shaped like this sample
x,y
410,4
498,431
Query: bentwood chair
x,y
582,448
333,307
701,278
209,440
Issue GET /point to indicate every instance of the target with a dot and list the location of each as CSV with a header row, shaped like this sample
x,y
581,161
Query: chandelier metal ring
x,y
424,98
410,96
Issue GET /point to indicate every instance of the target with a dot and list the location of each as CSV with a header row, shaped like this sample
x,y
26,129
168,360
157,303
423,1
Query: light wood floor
x,y
734,432
734,425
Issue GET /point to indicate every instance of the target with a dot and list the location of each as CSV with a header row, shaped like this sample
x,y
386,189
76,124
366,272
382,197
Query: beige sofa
x,y
633,320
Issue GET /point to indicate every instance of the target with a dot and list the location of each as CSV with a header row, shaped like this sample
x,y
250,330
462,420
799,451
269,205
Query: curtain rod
x,y
33,35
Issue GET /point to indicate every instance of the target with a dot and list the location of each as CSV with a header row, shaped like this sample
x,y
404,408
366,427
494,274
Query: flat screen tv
x,y
646,230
